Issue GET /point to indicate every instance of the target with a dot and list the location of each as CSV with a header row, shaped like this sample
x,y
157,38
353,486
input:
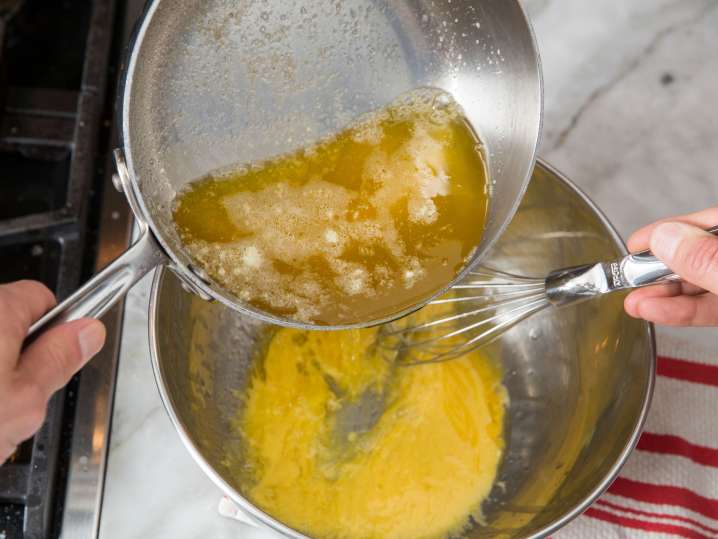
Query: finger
x,y
21,304
703,219
23,411
679,310
689,251
669,289
666,290
59,353
6,449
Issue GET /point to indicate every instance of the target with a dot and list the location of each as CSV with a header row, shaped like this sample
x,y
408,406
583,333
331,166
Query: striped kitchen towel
x,y
669,486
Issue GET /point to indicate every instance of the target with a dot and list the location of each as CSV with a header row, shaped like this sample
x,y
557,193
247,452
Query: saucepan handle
x,y
106,288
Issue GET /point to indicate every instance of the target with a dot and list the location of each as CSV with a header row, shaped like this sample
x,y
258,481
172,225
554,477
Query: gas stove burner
x,y
59,215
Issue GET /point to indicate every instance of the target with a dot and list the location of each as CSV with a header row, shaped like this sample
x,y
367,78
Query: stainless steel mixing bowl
x,y
579,379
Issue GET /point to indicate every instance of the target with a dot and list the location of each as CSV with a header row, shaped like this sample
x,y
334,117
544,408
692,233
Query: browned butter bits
x,y
352,228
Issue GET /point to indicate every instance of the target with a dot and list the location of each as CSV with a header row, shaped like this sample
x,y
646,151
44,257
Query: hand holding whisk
x,y
489,302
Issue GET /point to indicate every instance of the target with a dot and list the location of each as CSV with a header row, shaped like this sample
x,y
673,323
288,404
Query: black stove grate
x,y
54,61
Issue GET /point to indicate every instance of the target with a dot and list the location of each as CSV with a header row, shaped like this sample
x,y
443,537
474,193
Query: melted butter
x,y
353,228
421,470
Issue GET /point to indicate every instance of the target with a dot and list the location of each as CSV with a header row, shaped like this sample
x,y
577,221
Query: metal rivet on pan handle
x,y
189,286
117,182
122,176
200,273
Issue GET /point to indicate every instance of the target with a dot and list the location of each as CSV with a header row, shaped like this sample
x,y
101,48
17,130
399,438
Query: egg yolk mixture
x,y
418,468
353,228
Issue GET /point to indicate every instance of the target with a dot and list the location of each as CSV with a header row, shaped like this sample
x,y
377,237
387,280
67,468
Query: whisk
x,y
489,302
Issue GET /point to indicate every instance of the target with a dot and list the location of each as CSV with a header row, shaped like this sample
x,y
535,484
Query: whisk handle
x,y
643,269
632,271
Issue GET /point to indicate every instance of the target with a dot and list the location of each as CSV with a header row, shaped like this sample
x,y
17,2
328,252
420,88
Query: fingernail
x,y
666,239
91,338
630,305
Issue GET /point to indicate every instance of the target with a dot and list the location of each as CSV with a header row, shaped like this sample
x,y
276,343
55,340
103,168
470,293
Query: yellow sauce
x,y
353,228
421,470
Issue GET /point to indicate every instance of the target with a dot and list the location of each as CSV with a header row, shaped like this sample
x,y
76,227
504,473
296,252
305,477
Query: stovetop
x,y
59,222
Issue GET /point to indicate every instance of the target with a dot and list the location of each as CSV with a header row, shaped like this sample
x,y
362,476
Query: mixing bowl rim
x,y
264,518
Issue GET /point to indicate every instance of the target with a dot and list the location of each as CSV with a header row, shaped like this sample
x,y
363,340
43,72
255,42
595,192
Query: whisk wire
x,y
455,317
491,273
485,306
485,338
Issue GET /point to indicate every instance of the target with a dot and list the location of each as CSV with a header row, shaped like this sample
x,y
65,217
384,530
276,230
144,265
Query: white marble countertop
x,y
630,115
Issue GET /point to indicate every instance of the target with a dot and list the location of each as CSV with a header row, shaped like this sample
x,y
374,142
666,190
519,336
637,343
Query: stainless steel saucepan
x,y
217,82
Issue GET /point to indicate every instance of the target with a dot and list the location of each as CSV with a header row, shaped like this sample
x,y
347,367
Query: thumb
x,y
689,251
60,352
